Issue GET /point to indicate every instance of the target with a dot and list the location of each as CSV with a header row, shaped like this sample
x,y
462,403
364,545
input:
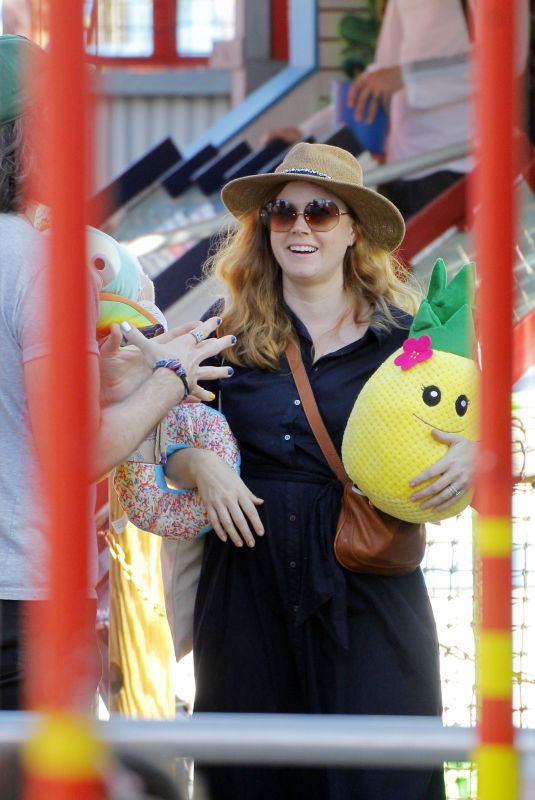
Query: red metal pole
x,y
67,413
495,233
62,758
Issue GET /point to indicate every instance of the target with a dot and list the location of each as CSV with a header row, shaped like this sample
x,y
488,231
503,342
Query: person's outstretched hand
x,y
191,350
375,86
123,369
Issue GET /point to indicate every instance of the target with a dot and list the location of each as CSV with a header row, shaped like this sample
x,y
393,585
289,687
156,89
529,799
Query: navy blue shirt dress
x,y
281,627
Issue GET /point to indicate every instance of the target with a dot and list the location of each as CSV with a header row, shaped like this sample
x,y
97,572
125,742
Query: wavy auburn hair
x,y
254,305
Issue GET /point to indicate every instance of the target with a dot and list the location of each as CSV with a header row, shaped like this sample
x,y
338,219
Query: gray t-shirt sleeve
x,y
34,317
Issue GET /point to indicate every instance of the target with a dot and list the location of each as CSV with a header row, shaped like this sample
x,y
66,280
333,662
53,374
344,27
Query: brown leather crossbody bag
x,y
366,540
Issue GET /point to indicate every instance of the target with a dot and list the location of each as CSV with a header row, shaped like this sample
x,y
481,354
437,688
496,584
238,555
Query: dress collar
x,y
380,326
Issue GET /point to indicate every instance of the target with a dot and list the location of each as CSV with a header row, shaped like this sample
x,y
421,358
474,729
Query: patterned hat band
x,y
305,171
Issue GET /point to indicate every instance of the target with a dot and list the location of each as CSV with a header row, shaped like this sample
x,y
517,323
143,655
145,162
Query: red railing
x,y
452,209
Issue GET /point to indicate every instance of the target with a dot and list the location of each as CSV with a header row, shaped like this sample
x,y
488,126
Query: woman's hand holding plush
x,y
450,476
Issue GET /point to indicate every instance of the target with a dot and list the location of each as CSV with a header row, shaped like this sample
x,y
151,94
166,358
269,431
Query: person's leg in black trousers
x,y
412,195
11,668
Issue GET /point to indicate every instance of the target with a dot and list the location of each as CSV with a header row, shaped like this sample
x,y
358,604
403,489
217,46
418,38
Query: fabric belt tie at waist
x,y
283,474
323,586
323,583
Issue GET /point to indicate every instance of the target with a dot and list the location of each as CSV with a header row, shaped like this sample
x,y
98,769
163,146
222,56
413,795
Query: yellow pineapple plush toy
x,y
430,382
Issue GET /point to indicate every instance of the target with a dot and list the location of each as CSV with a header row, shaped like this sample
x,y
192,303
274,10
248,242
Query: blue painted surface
x,y
371,135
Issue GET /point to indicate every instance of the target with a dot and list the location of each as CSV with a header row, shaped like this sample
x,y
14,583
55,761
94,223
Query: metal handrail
x,y
408,166
304,739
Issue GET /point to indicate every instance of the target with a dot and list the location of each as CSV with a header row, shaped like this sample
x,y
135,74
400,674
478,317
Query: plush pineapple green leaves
x,y
446,315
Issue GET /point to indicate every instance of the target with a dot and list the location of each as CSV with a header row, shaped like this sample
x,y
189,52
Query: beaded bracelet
x,y
174,365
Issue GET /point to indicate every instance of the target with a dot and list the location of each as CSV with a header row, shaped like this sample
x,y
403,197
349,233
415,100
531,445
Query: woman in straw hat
x,y
280,626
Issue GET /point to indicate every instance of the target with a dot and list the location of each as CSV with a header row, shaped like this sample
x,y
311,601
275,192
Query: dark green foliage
x,y
358,33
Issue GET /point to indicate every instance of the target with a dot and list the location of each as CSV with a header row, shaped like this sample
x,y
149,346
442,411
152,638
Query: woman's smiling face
x,y
306,256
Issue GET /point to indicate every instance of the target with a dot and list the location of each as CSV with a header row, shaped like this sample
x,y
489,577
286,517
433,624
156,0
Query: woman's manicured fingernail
x,y
233,339
126,327
211,395
251,544
230,371
218,320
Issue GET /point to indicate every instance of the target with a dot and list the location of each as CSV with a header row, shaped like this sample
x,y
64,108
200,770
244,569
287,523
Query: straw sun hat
x,y
337,171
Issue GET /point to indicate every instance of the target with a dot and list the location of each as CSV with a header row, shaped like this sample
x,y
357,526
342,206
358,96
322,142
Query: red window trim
x,y
165,53
279,30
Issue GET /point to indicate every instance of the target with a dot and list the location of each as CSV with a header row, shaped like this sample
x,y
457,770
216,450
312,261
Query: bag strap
x,y
312,413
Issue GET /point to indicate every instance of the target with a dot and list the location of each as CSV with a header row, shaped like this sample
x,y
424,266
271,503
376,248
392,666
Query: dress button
x,y
297,402
287,437
292,517
293,564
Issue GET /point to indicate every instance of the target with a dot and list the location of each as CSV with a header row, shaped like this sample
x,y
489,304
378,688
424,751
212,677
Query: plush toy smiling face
x,y
388,439
440,393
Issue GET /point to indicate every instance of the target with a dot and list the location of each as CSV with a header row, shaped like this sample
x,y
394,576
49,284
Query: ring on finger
x,y
198,334
454,491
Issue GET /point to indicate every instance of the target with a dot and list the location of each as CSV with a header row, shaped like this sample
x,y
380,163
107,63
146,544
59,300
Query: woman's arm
x,y
230,505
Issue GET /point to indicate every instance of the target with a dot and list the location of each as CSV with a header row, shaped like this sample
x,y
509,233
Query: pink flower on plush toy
x,y
414,350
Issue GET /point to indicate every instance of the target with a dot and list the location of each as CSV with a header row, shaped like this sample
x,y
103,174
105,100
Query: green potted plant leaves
x,y
359,33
